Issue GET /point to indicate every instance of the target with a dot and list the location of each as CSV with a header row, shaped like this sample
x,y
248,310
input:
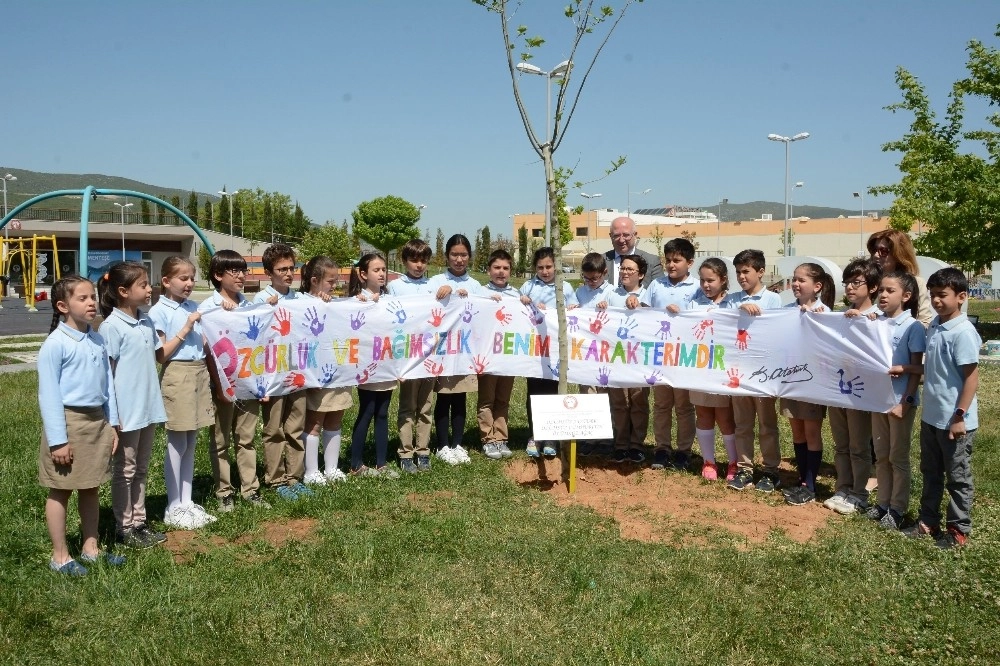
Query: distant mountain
x,y
754,210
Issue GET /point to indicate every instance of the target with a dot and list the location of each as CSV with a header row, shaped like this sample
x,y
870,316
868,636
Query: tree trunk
x,y
555,233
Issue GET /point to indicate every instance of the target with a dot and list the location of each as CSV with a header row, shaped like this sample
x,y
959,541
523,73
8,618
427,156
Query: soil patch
x,y
658,506
184,545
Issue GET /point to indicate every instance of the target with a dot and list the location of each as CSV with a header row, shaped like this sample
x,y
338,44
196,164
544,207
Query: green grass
x,y
463,566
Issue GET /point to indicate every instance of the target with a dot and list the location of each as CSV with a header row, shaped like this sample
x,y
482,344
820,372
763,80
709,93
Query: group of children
x,y
101,395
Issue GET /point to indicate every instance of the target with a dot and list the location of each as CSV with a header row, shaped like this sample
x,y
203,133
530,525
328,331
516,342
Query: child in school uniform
x,y
416,396
593,289
235,420
852,428
131,341
753,299
950,416
494,390
449,410
541,291
76,398
671,293
814,291
629,406
186,388
284,415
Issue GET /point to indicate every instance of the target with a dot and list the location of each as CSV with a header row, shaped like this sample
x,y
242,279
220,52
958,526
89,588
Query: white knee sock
x,y
706,442
331,450
187,467
312,453
173,467
730,442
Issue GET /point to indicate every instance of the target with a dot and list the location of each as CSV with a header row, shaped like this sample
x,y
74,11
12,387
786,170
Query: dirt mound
x,y
673,507
184,545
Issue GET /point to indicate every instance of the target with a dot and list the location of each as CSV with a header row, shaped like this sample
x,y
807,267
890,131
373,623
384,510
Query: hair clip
x,y
107,276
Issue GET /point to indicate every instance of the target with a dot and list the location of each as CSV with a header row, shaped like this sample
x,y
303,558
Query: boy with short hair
x,y
416,396
235,421
950,412
494,390
672,293
852,428
595,286
753,300
284,415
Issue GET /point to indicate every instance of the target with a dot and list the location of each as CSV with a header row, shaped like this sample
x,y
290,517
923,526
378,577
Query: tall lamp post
x,y
556,72
123,207
5,179
628,199
718,225
861,222
787,140
230,195
791,200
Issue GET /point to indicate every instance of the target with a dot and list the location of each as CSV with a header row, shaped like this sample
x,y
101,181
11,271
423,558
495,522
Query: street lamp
x,y
628,204
123,207
718,225
560,70
791,200
230,195
5,179
591,196
861,222
787,140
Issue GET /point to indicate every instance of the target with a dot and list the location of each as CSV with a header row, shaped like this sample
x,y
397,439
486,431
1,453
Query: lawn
x,y
464,566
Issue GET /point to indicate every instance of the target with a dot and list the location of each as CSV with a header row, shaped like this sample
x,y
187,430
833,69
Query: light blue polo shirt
x,y
544,293
664,293
588,296
617,297
215,301
269,291
169,317
703,302
491,289
73,371
456,282
908,337
949,346
405,285
765,299
132,345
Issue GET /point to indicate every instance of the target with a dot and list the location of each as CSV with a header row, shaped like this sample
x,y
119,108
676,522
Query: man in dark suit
x,y
624,238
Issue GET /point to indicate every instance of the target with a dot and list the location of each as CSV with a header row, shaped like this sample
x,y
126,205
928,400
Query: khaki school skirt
x,y
796,409
92,438
329,399
702,399
187,395
457,384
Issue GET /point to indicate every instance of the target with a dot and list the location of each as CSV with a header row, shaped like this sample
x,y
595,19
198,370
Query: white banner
x,y
823,358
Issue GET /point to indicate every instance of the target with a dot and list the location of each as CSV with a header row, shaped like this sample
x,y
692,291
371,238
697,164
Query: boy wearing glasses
x,y
234,420
595,287
284,415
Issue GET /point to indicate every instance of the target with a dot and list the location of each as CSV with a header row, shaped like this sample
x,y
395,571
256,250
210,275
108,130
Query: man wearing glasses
x,y
625,238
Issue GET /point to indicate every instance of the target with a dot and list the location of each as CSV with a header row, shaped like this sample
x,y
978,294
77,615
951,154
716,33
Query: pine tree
x,y
487,248
175,201
144,211
192,207
439,248
208,220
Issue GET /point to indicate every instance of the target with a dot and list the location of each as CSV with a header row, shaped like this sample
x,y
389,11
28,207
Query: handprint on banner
x,y
479,364
742,338
624,331
572,323
434,368
597,324
851,386
664,331
395,308
367,373
469,312
603,376
705,326
260,391
313,322
534,315
283,322
357,320
329,372
294,380
653,378
734,378
503,316
437,316
253,328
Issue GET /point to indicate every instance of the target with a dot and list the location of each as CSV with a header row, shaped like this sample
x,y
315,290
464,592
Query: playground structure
x,y
24,251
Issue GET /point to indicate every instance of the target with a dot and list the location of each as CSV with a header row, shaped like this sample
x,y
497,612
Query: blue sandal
x,y
71,568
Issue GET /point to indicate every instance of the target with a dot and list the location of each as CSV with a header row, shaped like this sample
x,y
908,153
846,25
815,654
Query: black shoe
x,y
636,456
150,534
681,461
742,480
407,465
767,483
619,456
256,500
800,495
227,504
951,538
130,538
423,463
661,458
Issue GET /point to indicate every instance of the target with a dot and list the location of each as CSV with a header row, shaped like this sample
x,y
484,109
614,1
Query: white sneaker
x,y
447,454
838,502
461,455
179,518
336,476
199,512
314,479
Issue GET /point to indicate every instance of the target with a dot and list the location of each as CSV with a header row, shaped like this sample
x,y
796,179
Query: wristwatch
x,y
960,413
910,400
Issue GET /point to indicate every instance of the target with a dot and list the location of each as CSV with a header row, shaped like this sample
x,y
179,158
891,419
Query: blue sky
x,y
335,103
